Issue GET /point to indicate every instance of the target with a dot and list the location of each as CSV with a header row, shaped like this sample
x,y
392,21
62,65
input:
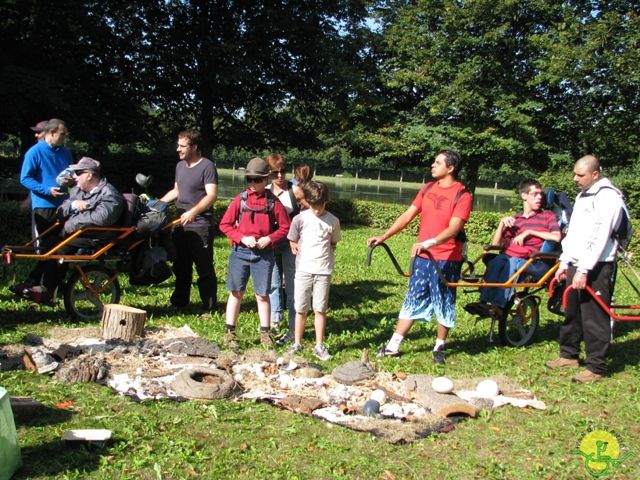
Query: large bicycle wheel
x,y
86,294
518,325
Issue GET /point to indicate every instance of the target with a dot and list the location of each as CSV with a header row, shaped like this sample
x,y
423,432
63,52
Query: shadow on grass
x,y
57,457
40,416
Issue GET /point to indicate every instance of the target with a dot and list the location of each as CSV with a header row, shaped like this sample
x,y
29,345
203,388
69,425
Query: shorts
x,y
428,296
308,285
245,262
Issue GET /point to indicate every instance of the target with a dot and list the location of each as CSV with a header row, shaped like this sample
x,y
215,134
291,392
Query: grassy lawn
x,y
222,439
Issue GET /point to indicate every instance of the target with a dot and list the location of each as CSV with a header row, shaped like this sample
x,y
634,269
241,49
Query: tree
x,y
460,74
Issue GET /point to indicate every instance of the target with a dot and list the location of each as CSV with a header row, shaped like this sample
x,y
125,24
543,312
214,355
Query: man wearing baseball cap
x,y
42,163
40,129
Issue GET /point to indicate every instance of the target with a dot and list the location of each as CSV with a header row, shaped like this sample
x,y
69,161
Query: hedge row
x,y
14,222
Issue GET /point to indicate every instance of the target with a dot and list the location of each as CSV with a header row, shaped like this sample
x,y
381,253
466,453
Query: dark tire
x,y
519,324
86,301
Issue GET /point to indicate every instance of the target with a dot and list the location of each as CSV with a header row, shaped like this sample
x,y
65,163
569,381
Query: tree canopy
x,y
377,83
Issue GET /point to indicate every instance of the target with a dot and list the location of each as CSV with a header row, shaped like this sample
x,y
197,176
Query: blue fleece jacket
x,y
42,163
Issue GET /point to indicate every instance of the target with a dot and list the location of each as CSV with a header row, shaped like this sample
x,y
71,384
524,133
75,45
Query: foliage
x,y
247,439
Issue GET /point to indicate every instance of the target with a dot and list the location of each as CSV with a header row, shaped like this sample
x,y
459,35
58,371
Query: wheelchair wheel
x,y
84,297
518,325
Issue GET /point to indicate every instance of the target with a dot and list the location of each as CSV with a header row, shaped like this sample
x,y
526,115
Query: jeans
x,y
284,268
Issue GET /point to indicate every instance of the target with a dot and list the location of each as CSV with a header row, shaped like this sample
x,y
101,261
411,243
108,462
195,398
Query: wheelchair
x,y
519,320
99,255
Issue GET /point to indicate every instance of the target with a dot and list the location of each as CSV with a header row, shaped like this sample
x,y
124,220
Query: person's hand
x,y
187,217
519,239
418,248
373,241
561,273
508,222
263,242
249,242
579,281
294,247
55,192
79,205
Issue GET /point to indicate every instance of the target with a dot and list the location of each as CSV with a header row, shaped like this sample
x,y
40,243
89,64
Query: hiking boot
x,y
562,362
284,339
385,352
230,341
42,362
321,353
439,356
587,376
266,341
295,349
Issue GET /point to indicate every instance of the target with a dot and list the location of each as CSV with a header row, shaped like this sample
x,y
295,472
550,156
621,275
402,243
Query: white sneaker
x,y
321,352
295,348
43,362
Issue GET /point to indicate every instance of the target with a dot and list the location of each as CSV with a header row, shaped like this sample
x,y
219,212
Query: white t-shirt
x,y
315,235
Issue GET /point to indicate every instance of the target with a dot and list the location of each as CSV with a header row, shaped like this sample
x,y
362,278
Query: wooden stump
x,y
121,321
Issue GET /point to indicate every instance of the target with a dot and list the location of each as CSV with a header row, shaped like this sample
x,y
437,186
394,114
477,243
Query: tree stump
x,y
121,321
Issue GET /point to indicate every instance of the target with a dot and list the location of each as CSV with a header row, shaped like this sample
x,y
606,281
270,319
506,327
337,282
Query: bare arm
x,y
456,224
171,195
401,222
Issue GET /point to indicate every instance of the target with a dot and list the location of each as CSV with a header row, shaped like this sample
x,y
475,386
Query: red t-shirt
x,y
255,224
437,208
542,221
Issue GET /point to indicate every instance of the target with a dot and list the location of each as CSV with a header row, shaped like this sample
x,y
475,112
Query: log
x,y
121,321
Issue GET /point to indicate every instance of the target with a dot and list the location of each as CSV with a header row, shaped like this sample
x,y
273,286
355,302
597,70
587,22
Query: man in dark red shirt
x,y
254,222
520,236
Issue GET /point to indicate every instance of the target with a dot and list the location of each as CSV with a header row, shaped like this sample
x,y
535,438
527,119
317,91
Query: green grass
x,y
223,439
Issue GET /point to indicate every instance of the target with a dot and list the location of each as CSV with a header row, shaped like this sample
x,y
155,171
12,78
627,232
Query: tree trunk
x,y
121,321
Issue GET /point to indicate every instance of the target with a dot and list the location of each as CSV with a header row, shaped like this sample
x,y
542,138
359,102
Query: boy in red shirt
x,y
444,209
255,222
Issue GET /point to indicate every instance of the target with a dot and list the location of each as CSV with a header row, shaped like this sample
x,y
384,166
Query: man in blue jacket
x,y
42,163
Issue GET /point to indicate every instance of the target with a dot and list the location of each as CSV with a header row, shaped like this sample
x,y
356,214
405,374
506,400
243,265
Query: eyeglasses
x,y
275,173
255,179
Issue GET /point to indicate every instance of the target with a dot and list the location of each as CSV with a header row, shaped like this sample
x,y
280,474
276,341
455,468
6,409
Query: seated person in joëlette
x,y
92,202
519,236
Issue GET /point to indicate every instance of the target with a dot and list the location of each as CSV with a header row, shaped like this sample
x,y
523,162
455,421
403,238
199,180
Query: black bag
x,y
150,265
554,304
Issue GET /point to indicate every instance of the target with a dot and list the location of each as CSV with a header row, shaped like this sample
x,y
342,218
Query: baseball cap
x,y
40,126
86,163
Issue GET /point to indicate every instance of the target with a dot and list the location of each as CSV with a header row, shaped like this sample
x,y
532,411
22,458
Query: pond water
x,y
230,185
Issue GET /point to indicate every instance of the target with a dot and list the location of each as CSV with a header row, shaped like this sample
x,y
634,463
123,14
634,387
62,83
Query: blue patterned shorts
x,y
428,296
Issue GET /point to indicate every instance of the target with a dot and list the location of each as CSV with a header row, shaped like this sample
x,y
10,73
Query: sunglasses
x,y
276,172
255,179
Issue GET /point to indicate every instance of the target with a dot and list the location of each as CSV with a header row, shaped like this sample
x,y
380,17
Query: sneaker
x,y
284,339
230,341
37,294
295,348
587,376
439,356
562,362
384,352
321,352
266,341
43,362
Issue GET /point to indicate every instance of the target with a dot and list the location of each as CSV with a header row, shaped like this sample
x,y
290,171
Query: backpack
x,y
152,218
271,200
149,264
623,232
462,236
